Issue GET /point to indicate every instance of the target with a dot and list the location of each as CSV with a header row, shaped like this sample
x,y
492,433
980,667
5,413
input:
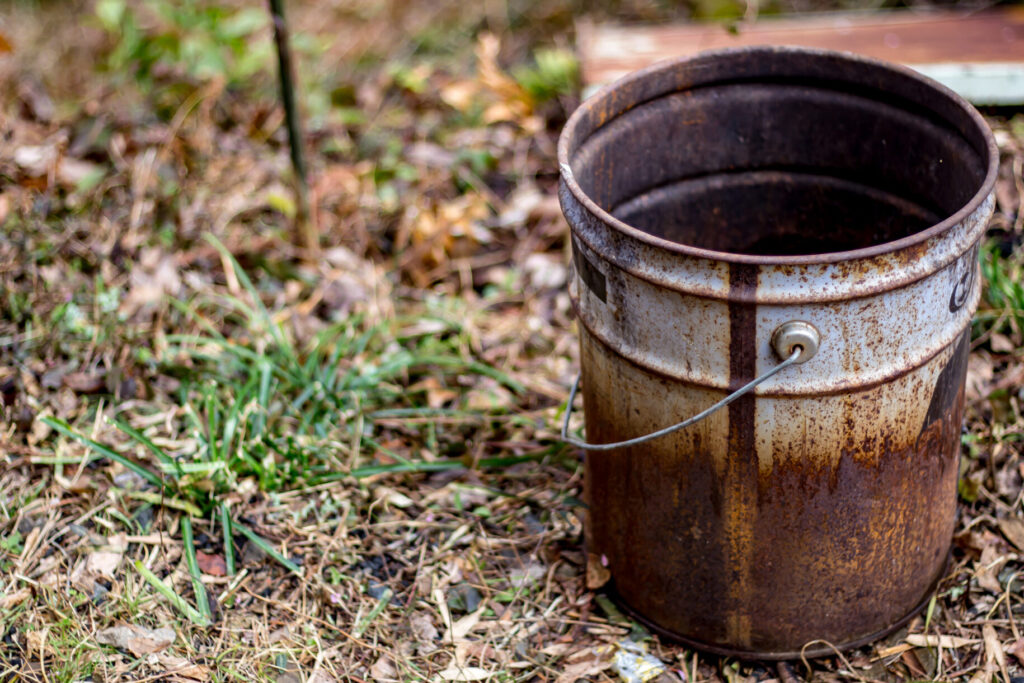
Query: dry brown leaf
x,y
597,574
890,651
138,640
460,95
1012,529
423,628
913,664
980,374
179,666
320,676
545,271
437,395
987,569
590,664
487,395
466,673
337,180
71,172
41,643
527,575
491,75
556,649
14,599
156,276
5,45
1017,650
976,541
1000,343
994,650
943,641
500,112
102,562
461,628
984,673
1006,195
212,564
383,670
392,497
85,382
36,160
480,650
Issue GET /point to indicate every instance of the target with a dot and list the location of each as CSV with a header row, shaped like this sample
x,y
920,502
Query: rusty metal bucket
x,y
713,201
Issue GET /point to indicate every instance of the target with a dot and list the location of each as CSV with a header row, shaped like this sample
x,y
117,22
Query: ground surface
x,y
369,429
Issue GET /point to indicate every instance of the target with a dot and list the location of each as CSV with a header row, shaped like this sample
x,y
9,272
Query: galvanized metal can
x,y
712,200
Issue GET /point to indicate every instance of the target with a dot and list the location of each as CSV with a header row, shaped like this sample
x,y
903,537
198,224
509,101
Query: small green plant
x,y
186,38
1002,308
555,72
11,547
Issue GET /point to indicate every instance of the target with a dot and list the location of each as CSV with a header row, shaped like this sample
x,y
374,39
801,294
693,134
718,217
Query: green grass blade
x,y
265,377
436,466
198,319
234,415
442,465
374,613
265,546
168,461
165,501
259,418
190,612
224,344
229,545
475,367
211,406
263,313
391,413
207,468
65,429
188,542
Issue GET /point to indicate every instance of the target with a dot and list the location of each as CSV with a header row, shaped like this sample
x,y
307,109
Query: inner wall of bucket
x,y
783,167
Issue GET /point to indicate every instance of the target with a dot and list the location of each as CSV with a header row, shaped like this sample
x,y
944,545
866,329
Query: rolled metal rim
x,y
569,134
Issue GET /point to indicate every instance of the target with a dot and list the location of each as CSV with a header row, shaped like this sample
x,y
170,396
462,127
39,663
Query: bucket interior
x,y
785,165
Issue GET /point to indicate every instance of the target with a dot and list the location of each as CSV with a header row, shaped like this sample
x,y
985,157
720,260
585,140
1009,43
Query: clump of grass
x,y
1002,308
555,72
256,407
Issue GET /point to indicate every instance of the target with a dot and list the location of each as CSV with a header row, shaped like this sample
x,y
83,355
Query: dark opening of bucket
x,y
780,154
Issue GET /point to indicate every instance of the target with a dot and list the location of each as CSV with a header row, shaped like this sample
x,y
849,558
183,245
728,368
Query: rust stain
x,y
753,560
739,480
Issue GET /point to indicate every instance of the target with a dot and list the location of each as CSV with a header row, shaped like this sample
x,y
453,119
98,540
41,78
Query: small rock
x,y
463,598
375,590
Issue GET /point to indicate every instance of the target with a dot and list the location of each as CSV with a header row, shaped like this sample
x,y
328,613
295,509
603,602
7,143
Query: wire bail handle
x,y
795,341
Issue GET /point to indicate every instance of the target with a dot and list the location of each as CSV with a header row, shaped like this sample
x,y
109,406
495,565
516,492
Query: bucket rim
x,y
873,251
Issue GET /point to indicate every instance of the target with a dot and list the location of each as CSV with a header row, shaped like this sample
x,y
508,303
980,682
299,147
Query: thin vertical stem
x,y
307,234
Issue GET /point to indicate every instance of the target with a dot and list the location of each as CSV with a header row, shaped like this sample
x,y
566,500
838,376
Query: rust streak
x,y
741,466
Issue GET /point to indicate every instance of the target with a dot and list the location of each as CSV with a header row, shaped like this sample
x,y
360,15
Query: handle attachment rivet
x,y
793,334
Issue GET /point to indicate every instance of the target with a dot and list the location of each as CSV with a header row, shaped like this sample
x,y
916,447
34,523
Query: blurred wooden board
x,y
980,55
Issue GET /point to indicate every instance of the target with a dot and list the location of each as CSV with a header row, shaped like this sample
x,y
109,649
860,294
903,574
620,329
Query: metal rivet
x,y
796,333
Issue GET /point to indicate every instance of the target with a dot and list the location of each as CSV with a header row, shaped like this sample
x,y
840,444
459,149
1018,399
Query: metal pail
x,y
720,205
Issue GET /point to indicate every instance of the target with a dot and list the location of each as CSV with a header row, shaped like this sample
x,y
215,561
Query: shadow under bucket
x,y
713,201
